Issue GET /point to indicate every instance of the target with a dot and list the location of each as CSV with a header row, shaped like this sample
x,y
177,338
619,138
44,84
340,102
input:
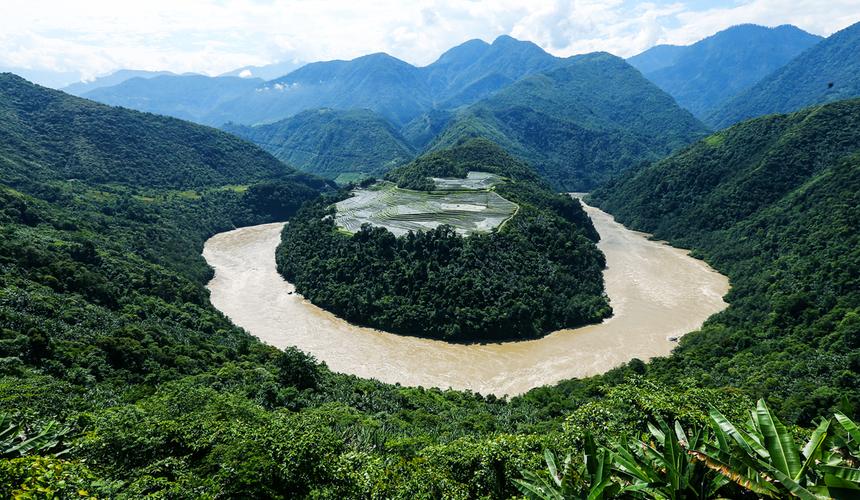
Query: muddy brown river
x,y
656,292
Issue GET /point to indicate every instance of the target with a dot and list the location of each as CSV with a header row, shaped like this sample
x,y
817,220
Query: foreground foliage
x,y
720,460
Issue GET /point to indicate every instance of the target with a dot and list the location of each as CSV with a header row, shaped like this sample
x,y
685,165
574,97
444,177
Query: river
x,y
656,292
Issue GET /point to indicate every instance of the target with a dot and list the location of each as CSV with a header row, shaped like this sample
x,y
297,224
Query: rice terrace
x,y
468,205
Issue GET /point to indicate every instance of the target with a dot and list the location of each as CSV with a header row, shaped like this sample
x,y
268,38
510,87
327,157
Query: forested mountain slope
x,y
579,124
52,135
772,202
330,142
703,75
826,72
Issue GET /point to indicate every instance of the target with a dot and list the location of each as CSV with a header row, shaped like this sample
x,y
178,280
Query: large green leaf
x,y
812,449
751,446
780,444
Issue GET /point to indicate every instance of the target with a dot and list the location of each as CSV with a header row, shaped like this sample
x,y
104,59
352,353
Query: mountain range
x,y
826,72
703,75
580,123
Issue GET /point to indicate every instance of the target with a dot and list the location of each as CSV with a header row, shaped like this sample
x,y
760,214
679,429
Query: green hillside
x,y
538,272
773,203
329,142
826,72
52,135
579,124
703,75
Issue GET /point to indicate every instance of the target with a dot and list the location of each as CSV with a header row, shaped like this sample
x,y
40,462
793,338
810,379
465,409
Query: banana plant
x,y
591,480
662,468
764,458
16,441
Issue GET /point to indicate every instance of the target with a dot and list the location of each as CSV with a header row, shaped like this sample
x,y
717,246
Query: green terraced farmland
x,y
402,210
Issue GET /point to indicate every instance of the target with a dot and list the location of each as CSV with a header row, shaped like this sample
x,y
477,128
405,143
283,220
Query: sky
x,y
73,40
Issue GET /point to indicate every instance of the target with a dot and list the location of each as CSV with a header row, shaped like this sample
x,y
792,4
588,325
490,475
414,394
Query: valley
x,y
656,292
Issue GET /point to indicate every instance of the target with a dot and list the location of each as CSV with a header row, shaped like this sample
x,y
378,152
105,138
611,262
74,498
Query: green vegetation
x,y
703,75
134,386
719,461
826,72
400,210
578,124
329,143
537,273
773,204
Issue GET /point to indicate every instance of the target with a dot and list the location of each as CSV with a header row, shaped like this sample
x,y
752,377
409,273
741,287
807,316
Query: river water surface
x,y
656,292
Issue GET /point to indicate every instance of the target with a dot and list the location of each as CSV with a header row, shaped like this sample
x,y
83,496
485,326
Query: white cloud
x,y
94,37
245,73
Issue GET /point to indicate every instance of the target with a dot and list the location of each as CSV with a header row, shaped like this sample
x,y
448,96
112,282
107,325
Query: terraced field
x,y
466,208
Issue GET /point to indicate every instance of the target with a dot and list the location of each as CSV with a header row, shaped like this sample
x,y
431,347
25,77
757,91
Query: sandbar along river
x,y
656,292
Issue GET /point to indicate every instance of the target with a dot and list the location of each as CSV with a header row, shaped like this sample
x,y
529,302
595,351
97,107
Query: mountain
x,y
46,77
331,142
773,203
826,72
47,134
115,78
379,82
189,97
476,69
703,75
268,71
579,124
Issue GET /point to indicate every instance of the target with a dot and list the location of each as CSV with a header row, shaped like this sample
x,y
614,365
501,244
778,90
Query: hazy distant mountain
x,y
267,72
828,71
115,78
44,77
580,123
391,87
331,142
190,97
703,75
397,90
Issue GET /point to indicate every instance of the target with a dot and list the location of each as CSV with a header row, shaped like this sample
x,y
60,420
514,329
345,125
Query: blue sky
x,y
86,38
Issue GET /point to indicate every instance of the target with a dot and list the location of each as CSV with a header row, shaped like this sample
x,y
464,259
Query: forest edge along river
x,y
656,291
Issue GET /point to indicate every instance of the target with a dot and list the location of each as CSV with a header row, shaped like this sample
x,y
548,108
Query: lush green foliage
x,y
703,75
719,461
773,203
826,72
580,123
329,142
539,272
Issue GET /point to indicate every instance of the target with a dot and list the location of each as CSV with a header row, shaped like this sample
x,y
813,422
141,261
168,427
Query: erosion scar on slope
x,y
656,291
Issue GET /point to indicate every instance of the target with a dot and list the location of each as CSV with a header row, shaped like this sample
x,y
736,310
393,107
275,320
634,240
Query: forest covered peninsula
x,y
534,272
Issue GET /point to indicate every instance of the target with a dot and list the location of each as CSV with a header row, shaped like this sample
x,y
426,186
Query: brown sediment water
x,y
656,292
